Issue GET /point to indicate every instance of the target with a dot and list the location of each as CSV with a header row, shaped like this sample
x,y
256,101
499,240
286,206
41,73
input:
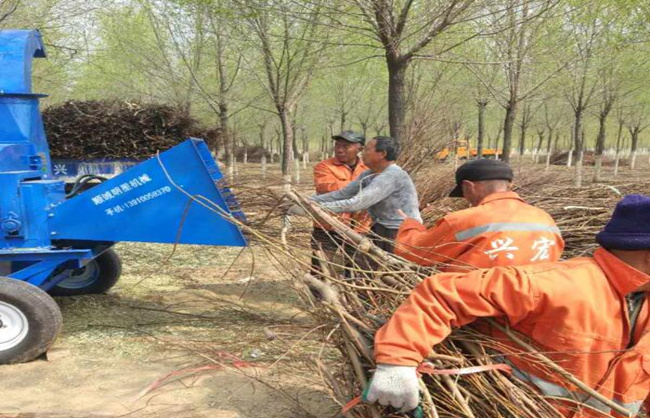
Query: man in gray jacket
x,y
385,190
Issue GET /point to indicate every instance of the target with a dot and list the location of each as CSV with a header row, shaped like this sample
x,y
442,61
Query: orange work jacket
x,y
574,311
502,230
331,175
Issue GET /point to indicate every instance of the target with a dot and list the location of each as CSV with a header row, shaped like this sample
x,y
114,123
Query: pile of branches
x,y
117,129
353,309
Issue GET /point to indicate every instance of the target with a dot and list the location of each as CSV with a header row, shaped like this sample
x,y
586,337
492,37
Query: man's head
x,y
347,146
380,152
478,179
627,234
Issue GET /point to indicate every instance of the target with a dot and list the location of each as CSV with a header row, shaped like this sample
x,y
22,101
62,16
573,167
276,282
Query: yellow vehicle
x,y
464,152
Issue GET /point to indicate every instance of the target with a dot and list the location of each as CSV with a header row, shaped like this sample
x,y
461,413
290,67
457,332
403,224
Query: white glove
x,y
396,386
297,210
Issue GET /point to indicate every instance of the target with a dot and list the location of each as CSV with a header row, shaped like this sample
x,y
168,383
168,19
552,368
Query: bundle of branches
x,y
354,308
117,129
260,201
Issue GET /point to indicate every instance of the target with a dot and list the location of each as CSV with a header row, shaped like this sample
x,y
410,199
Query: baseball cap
x,y
479,170
351,136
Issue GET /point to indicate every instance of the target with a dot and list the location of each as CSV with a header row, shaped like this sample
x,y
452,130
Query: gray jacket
x,y
381,194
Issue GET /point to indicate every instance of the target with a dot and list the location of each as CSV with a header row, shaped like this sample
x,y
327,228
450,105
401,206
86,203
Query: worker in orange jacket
x,y
500,229
334,174
589,315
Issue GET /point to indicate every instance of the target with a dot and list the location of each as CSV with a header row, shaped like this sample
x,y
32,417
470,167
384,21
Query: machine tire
x,y
98,276
31,321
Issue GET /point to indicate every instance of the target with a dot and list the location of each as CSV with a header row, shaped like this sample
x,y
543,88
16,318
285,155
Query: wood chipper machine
x,y
54,242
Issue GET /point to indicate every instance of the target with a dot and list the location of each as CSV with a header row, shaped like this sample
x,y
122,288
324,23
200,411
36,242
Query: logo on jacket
x,y
502,246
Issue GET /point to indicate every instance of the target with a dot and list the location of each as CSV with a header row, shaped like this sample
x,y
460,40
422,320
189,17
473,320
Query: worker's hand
x,y
401,213
296,210
396,386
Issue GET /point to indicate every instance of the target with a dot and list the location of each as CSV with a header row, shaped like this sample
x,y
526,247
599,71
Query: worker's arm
x,y
345,193
380,188
426,247
449,300
325,180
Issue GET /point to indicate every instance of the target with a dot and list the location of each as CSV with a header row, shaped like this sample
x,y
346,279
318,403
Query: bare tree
x,y
620,119
289,53
583,85
637,123
404,29
370,109
225,83
196,32
526,118
609,95
519,27
552,121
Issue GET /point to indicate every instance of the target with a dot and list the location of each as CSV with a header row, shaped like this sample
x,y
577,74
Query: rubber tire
x,y
43,316
110,269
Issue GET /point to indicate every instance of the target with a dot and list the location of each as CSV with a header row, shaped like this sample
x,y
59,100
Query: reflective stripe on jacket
x,y
502,230
331,175
574,311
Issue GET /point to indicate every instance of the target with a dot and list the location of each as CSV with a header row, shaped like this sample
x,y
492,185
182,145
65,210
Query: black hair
x,y
389,145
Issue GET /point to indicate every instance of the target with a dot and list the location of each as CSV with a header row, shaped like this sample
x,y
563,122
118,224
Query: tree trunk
x,y
579,153
635,143
600,146
305,148
508,125
229,155
287,149
364,128
396,96
569,160
538,148
294,136
296,170
577,139
481,128
549,142
618,147
522,141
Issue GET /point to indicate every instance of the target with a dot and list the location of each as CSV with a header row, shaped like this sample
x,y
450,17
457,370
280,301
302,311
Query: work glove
x,y
396,386
296,210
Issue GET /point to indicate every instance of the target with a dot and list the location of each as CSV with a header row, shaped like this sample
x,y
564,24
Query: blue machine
x,y
61,244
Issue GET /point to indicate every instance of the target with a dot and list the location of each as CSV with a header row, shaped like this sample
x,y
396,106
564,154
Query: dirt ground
x,y
169,315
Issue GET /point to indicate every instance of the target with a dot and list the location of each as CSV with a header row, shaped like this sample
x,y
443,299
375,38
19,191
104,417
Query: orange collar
x,y
622,276
334,161
500,196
